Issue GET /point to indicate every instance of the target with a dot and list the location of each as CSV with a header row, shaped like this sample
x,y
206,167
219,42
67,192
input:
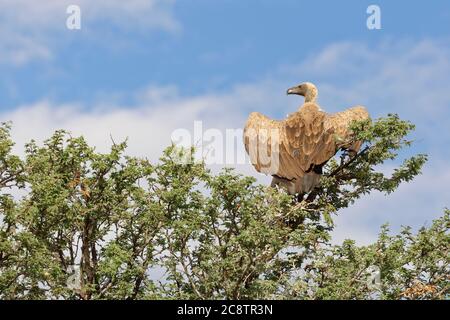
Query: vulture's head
x,y
307,89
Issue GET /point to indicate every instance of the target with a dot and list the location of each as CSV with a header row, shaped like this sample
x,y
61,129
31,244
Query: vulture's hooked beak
x,y
293,90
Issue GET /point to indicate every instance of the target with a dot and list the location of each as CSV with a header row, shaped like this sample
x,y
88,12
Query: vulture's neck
x,y
310,96
310,102
309,107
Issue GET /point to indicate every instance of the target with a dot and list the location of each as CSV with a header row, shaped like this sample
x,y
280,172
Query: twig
x,y
345,165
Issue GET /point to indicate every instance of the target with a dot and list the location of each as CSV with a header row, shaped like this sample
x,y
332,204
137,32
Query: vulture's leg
x,y
300,197
289,186
311,179
309,182
286,184
274,182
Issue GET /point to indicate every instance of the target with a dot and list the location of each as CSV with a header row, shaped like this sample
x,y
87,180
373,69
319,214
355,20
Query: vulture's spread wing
x,y
303,141
340,123
262,141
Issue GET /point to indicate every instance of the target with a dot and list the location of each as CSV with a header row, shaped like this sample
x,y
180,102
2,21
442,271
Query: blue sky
x,y
216,45
142,68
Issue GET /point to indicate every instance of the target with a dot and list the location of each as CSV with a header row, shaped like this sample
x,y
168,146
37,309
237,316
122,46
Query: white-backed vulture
x,y
295,149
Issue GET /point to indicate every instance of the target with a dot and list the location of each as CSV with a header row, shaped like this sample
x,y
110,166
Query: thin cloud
x,y
30,30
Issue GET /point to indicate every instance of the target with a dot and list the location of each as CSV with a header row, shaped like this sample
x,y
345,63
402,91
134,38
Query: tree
x,y
108,226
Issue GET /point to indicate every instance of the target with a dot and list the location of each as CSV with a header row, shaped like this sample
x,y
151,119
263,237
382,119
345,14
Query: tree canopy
x,y
78,224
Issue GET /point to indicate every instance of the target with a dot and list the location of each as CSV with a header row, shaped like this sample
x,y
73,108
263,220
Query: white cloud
x,y
147,125
18,49
30,29
413,204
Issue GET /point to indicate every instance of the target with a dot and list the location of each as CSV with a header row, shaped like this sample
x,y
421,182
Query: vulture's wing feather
x,y
259,140
302,140
310,143
340,122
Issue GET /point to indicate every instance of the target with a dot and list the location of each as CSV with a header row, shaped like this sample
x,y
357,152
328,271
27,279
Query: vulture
x,y
294,150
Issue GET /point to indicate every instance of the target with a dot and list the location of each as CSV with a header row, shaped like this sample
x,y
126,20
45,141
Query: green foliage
x,y
411,267
173,230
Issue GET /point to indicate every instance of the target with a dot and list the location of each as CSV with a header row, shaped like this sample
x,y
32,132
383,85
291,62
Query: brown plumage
x,y
294,150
